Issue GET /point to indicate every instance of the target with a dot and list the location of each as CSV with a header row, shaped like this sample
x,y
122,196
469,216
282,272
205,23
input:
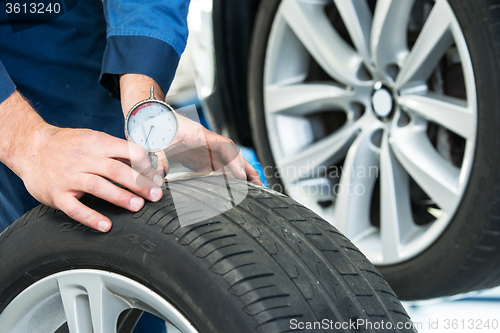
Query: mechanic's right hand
x,y
63,164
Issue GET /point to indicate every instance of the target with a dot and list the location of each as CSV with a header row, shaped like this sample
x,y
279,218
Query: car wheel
x,y
260,264
382,117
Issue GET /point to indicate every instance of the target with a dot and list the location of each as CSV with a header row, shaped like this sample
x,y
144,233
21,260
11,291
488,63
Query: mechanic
x,y
74,142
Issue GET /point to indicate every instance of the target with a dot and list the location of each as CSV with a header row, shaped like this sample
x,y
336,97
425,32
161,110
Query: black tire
x,y
466,256
255,268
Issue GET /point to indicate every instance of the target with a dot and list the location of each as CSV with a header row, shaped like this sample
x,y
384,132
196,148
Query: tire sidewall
x,y
131,249
258,50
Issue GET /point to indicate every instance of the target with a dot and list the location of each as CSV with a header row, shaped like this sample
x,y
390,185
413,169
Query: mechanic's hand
x,y
63,164
202,150
195,147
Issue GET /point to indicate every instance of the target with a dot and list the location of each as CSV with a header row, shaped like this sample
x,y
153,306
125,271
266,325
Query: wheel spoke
x,y
311,25
73,299
320,154
302,99
436,176
358,20
89,306
434,39
449,112
359,174
388,34
396,221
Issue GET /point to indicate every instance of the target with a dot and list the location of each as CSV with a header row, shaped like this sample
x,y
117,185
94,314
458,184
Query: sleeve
x,y
7,86
143,37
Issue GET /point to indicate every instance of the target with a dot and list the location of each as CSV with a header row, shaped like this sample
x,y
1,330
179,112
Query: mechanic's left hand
x,y
202,150
195,147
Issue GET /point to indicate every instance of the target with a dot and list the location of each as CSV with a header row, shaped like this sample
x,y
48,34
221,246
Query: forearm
x,y
21,132
135,88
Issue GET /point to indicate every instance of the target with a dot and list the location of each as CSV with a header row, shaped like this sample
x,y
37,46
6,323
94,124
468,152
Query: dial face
x,y
152,126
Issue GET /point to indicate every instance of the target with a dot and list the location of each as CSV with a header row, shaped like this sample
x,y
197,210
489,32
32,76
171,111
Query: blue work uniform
x,y
67,65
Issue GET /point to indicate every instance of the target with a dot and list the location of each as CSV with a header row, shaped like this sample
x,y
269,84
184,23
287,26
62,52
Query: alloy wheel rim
x,y
384,154
88,300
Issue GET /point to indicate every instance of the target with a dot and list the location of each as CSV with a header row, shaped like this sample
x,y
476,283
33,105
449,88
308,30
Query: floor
x,y
475,312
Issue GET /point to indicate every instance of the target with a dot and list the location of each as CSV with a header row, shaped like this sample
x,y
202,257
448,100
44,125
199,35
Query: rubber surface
x,y
467,255
265,265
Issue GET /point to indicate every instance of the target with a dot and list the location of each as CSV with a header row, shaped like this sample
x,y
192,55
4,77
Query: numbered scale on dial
x,y
152,124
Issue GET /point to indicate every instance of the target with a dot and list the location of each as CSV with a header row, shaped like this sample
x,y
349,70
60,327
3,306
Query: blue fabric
x,y
137,54
150,324
159,19
57,65
14,199
7,87
57,62
144,39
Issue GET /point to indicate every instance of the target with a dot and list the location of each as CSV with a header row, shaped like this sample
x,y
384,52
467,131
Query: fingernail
x,y
156,193
104,226
136,203
158,180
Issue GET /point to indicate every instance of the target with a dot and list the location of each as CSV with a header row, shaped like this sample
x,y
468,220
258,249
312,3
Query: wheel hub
x,y
383,101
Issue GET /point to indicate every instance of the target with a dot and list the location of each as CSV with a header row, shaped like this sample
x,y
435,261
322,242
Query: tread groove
x,y
231,255
213,240
265,299
253,277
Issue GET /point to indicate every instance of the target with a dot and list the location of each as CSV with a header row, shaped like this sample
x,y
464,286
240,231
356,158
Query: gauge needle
x,y
150,132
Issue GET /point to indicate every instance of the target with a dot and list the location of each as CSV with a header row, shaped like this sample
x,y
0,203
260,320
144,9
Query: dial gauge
x,y
152,124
